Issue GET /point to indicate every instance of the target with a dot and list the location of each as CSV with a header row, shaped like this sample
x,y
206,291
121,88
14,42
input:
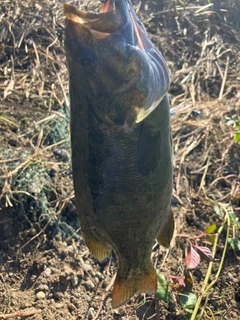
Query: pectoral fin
x,y
166,231
99,251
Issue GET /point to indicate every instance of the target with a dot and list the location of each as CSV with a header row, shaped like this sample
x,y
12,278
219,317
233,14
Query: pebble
x,y
230,276
77,295
89,284
58,295
96,280
32,232
47,272
99,275
26,305
87,298
91,313
42,287
40,295
74,280
87,267
70,249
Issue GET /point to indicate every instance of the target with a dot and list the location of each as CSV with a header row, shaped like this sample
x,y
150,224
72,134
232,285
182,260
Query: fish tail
x,y
124,289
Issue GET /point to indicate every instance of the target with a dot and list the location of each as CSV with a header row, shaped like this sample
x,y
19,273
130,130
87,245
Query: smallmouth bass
x,y
120,137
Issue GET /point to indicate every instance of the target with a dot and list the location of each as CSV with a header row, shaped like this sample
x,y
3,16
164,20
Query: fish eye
x,y
130,73
103,1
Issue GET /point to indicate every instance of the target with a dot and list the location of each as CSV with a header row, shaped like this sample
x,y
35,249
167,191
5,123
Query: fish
x,y
120,141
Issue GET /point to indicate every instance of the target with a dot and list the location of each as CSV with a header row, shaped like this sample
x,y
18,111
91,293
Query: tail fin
x,y
124,289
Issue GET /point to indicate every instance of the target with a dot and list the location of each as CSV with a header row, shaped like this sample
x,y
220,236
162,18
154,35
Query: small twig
x,y
9,160
221,178
36,53
19,314
224,80
203,179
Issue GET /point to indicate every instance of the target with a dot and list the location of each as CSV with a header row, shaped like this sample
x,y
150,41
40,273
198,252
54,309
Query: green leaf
x,y
210,239
234,243
162,288
211,228
188,301
233,217
218,211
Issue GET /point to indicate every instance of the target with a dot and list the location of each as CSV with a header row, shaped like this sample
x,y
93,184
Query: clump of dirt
x,y
46,271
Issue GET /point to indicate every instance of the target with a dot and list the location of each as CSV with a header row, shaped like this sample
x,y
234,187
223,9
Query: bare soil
x,y
46,271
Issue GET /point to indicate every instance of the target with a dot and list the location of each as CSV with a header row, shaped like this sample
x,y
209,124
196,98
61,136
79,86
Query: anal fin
x,y
124,289
166,231
99,251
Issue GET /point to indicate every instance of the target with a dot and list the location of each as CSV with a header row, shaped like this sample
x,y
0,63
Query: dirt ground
x,y
46,271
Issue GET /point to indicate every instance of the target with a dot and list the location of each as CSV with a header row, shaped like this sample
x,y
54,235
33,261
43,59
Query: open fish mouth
x,y
101,24
112,16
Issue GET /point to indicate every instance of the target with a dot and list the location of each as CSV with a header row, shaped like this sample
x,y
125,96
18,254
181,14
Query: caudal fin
x,y
123,290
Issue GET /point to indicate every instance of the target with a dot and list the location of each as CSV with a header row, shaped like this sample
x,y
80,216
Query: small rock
x,y
230,276
74,280
40,295
62,154
26,305
71,307
77,295
32,232
33,278
89,284
87,267
96,280
70,249
87,298
59,305
99,275
47,272
90,313
42,287
58,295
